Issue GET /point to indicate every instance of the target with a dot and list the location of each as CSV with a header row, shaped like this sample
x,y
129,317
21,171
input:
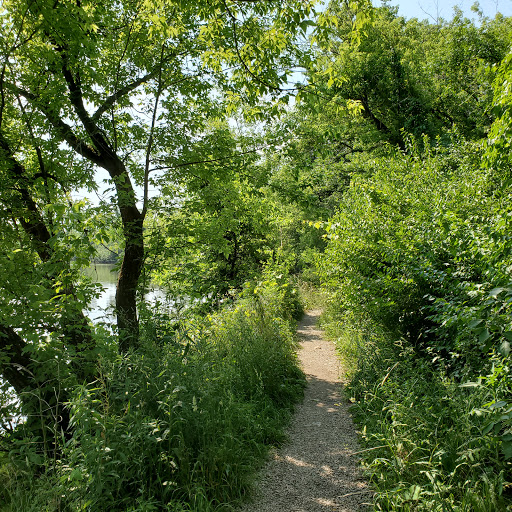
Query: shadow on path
x,y
316,471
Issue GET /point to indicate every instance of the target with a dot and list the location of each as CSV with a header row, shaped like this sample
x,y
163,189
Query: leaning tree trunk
x,y
42,395
133,259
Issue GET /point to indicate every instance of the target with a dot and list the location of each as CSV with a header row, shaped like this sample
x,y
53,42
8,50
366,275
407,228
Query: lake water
x,y
102,308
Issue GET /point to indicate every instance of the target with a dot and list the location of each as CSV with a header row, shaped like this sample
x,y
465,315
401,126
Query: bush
x,y
421,251
184,423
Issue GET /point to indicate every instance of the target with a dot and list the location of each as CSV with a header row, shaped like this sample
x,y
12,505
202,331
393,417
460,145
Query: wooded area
x,y
253,150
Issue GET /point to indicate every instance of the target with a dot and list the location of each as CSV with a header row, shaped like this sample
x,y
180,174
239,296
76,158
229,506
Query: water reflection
x,y
102,308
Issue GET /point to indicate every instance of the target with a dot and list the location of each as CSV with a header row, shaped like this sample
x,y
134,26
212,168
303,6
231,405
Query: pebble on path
x,y
316,471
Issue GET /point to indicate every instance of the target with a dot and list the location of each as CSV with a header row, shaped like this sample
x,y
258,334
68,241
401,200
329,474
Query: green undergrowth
x,y
418,267
426,443
181,425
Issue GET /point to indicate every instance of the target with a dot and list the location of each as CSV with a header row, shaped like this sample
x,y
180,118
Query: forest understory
x,y
175,139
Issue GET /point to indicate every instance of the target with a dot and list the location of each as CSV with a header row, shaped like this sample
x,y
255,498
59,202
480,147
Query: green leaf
x,y
505,348
508,335
413,493
59,209
35,458
506,448
475,323
496,291
484,335
497,405
76,474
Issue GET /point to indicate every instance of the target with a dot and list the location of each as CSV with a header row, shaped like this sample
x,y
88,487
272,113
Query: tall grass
x,y
181,425
425,445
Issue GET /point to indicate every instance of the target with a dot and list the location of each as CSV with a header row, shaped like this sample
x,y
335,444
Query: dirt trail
x,y
316,471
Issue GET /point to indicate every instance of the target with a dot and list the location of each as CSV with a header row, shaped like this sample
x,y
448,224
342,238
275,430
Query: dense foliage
x,y
129,88
386,181
130,100
419,255
417,266
179,425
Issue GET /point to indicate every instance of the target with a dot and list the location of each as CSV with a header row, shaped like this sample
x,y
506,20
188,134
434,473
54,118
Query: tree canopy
x,y
382,177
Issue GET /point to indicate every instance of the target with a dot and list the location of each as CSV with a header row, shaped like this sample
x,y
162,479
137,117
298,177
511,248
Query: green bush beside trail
x,y
180,425
418,266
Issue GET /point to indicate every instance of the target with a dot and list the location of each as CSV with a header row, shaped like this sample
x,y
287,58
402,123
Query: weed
x,y
182,424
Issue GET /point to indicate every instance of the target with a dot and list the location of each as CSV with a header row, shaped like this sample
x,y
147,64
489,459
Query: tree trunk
x,y
133,259
126,291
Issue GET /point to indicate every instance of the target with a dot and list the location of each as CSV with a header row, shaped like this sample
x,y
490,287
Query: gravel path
x,y
315,471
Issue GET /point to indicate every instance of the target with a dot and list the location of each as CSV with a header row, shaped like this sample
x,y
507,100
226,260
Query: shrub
x,y
421,251
183,423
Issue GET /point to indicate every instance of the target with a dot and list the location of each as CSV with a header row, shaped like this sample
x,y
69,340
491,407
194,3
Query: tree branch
x,y
31,219
76,97
64,129
111,100
244,65
209,161
151,136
